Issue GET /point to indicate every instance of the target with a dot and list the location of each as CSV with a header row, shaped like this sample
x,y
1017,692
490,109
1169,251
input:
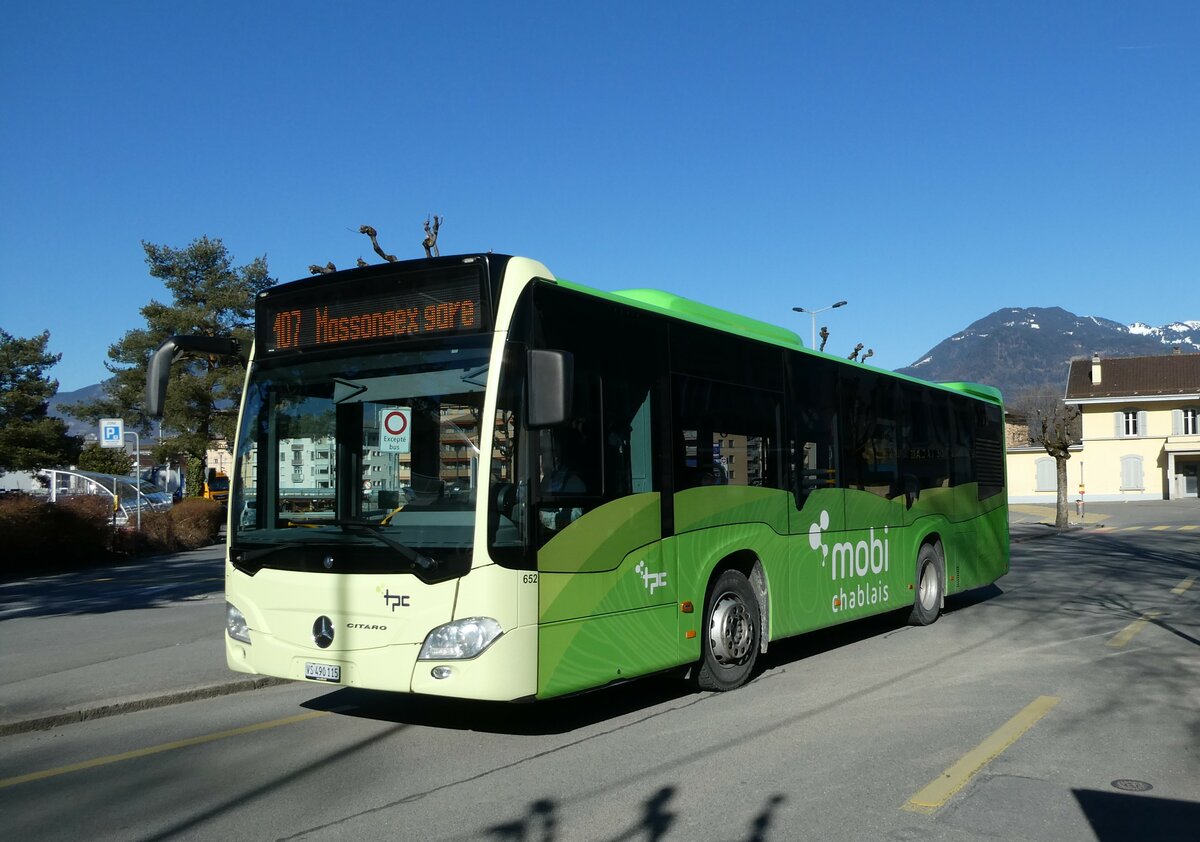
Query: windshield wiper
x,y
419,559
245,555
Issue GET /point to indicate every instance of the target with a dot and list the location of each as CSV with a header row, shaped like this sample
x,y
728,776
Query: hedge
x,y
39,536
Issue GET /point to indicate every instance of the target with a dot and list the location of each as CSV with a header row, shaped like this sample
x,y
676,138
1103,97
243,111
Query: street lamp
x,y
813,314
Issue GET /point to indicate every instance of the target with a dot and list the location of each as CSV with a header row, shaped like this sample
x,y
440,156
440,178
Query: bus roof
x,y
676,306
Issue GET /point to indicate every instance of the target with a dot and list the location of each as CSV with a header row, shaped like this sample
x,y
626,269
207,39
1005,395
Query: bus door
x,y
607,589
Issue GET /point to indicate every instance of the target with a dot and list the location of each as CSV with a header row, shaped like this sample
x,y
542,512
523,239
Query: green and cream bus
x,y
462,476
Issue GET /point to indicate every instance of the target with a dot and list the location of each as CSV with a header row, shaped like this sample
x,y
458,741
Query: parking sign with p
x,y
112,432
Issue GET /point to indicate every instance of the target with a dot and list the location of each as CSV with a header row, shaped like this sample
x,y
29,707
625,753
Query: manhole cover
x,y
1130,785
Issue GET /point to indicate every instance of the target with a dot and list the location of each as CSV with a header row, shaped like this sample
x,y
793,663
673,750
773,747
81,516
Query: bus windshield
x,y
360,463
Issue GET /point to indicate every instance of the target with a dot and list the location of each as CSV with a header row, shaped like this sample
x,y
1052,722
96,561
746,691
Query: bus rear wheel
x,y
928,602
731,628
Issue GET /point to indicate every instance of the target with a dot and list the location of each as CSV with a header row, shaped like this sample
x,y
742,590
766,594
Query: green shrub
x,y
21,525
197,522
85,528
156,536
43,537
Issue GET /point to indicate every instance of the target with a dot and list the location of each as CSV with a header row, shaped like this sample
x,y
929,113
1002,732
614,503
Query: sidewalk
x,y
1145,513
114,639
1027,520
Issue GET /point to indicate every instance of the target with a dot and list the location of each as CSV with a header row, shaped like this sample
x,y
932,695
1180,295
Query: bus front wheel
x,y
730,634
928,602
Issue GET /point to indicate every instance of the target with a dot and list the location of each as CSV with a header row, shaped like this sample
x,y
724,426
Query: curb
x,y
99,711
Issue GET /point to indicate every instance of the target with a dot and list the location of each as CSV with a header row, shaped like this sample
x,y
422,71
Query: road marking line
x,y
938,791
1159,528
1184,585
144,752
1189,527
1130,631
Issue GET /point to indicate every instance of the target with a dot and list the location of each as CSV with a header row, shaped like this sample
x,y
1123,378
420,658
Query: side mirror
x,y
551,383
159,369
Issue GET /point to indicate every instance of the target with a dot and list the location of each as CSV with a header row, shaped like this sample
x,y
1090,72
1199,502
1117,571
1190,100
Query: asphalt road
x,y
1061,704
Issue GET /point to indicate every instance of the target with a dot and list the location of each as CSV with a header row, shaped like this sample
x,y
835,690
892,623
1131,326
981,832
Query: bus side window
x,y
726,435
869,447
925,452
963,446
814,442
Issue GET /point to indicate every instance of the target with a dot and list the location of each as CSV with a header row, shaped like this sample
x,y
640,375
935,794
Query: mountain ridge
x,y
1018,349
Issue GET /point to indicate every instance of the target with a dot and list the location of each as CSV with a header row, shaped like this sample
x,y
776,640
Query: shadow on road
x,y
563,715
147,583
1120,816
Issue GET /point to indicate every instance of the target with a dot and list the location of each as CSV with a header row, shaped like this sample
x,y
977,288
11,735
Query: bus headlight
x,y
235,623
461,639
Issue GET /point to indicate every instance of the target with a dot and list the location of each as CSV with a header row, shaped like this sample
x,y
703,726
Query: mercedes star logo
x,y
323,632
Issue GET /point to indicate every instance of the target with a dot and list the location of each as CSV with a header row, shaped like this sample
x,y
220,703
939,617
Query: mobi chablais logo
x,y
851,563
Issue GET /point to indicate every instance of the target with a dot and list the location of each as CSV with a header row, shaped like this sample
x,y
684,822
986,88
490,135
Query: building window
x,y
1047,475
1131,473
1130,423
1190,419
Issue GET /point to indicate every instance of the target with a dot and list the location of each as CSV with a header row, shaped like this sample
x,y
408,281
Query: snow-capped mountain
x,y
1022,348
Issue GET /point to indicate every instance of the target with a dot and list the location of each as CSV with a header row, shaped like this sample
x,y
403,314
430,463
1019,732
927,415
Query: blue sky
x,y
928,162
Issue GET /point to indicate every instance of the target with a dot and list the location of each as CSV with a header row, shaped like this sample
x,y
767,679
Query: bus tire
x,y
927,604
731,627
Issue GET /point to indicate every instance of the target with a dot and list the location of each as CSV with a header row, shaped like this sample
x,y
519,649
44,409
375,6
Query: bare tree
x,y
1054,425
371,232
870,353
854,353
430,244
431,235
824,337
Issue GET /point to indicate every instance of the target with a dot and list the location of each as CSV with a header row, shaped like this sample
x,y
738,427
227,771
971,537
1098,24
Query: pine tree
x,y
209,297
105,460
29,438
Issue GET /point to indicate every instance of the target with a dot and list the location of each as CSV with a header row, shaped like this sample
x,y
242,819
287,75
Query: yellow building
x,y
1140,433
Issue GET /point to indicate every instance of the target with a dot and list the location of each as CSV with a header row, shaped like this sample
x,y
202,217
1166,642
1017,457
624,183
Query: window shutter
x,y
1142,423
1047,475
1131,472
1177,422
1119,424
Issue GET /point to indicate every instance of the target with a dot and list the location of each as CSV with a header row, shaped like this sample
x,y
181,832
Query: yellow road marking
x,y
1189,527
1184,585
1159,528
1130,631
145,752
938,791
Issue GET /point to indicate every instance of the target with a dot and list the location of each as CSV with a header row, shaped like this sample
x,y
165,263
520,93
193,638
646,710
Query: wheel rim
x,y
929,587
730,630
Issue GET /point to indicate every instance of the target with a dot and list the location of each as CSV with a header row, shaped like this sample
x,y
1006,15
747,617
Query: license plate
x,y
322,672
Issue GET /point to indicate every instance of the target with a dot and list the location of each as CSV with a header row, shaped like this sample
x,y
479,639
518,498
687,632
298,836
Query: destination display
x,y
345,315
